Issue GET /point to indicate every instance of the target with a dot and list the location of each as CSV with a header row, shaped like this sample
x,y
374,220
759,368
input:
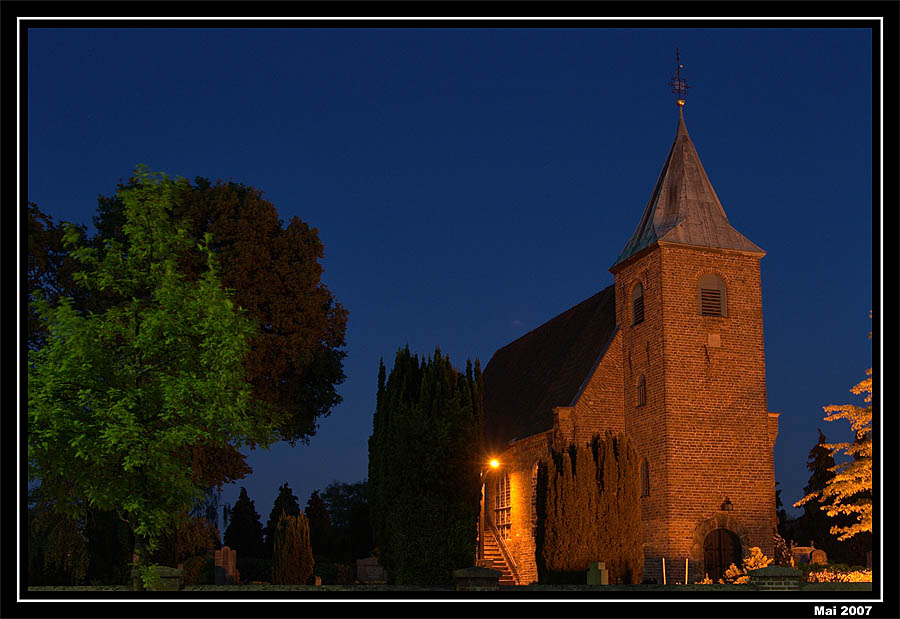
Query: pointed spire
x,y
684,208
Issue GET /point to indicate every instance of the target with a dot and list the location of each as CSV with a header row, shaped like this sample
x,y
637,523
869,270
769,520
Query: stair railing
x,y
504,551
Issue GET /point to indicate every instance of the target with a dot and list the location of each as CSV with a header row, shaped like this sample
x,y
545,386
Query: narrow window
x,y
645,478
534,477
711,295
503,507
641,395
637,304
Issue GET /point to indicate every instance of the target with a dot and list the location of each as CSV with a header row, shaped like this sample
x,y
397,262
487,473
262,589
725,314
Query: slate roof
x,y
684,207
545,368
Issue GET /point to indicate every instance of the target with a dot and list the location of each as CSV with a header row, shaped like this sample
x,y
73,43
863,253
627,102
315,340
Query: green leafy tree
x,y
49,268
424,465
286,503
116,397
292,562
57,553
589,509
294,362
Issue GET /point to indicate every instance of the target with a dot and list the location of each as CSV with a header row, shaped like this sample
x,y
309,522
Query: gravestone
x,y
802,554
226,566
598,574
818,557
368,570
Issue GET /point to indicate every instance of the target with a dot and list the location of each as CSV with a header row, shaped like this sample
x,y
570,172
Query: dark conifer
x,y
319,526
424,464
244,532
285,502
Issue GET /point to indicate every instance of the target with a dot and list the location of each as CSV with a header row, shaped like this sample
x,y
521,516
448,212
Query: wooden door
x,y
720,549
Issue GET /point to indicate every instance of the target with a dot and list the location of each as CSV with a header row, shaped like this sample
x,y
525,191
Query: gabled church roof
x,y
684,207
545,368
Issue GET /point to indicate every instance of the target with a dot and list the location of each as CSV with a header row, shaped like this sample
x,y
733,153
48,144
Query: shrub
x,y
198,570
292,558
837,573
738,575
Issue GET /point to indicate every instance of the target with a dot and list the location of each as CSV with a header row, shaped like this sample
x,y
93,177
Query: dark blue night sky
x,y
471,184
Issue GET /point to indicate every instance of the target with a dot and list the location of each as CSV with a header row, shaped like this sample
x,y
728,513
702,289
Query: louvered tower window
x,y
503,507
645,478
641,395
637,304
711,296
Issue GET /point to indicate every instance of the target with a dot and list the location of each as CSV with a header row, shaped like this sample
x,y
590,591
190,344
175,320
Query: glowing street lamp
x,y
492,464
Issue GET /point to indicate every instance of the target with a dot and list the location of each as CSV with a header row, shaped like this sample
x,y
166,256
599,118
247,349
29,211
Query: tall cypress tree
x,y
424,464
285,502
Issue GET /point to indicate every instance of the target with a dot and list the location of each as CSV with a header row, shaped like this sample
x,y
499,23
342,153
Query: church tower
x,y
689,309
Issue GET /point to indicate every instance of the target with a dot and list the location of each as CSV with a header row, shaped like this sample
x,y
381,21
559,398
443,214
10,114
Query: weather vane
x,y
679,85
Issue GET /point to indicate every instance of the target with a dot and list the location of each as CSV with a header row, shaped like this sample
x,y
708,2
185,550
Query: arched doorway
x,y
721,548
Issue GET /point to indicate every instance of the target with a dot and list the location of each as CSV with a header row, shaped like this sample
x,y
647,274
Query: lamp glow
x,y
494,464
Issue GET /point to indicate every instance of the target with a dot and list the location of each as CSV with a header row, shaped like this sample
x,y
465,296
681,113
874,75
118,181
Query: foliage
x,y
849,491
319,525
116,397
195,536
292,561
783,555
244,532
198,570
837,573
814,526
285,502
351,524
294,362
589,510
150,578
755,560
50,268
57,552
110,547
425,461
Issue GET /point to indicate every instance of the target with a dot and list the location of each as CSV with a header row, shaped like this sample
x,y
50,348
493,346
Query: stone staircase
x,y
493,554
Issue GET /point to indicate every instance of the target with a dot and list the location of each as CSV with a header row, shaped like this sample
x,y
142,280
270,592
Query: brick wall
x,y
704,429
599,405
519,462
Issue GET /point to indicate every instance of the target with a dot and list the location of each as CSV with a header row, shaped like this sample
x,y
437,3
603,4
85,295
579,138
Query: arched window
x,y
645,478
641,391
711,296
637,304
503,507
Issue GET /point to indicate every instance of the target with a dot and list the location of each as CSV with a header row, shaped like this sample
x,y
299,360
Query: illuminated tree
x,y
292,560
285,503
117,397
849,492
589,507
294,362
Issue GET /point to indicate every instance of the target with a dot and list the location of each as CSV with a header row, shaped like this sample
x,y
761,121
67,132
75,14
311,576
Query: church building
x,y
671,354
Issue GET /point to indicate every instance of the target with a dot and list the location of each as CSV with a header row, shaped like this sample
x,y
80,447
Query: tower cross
x,y
679,84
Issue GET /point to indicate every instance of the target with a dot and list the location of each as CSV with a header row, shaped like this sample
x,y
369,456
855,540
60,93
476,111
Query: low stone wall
x,y
776,578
